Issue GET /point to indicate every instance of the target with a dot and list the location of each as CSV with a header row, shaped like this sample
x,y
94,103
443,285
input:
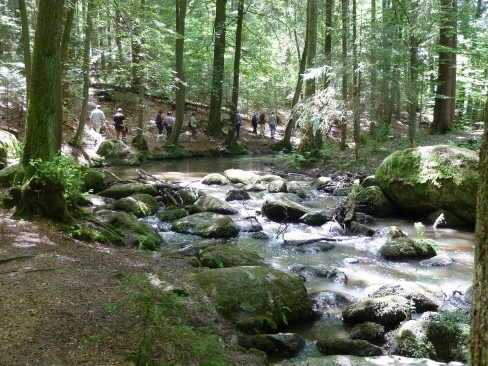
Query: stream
x,y
370,269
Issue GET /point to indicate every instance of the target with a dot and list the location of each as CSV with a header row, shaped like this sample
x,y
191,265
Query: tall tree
x,y
356,81
444,108
180,70
478,344
344,91
39,134
311,44
329,5
214,122
25,45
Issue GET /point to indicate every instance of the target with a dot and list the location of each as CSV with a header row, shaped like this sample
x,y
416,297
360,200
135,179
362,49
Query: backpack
x,y
158,119
189,124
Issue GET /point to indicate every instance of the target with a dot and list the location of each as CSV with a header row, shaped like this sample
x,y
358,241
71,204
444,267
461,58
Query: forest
x,y
359,67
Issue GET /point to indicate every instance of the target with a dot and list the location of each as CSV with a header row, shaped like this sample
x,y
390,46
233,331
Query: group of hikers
x,y
98,121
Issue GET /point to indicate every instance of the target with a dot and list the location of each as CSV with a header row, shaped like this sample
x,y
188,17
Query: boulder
x,y
237,195
425,298
440,260
298,189
330,299
206,224
248,225
317,217
445,219
118,191
270,178
331,273
241,176
280,344
136,233
425,179
215,179
324,184
368,181
334,228
360,229
388,311
439,336
372,201
189,195
7,176
407,248
218,255
140,205
93,180
9,147
277,186
339,346
215,205
256,299
368,331
283,207
390,232
172,214
116,152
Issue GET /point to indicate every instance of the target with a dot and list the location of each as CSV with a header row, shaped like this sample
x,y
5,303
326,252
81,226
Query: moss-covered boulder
x,y
339,346
207,224
118,191
407,248
237,195
331,273
330,299
280,344
277,186
172,214
317,217
368,331
372,201
389,311
424,297
9,147
242,176
298,189
256,299
93,180
116,152
425,179
215,179
140,205
136,233
283,207
189,195
218,255
445,219
215,205
7,176
439,336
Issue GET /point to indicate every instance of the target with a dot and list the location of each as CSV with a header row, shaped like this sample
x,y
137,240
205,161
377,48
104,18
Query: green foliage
x,y
160,329
227,306
421,239
63,172
473,143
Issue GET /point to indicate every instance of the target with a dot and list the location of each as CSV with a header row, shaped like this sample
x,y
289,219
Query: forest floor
x,y
54,289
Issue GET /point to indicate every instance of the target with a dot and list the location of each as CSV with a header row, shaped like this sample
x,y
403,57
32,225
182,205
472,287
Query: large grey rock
x,y
331,273
330,299
277,186
9,147
425,298
237,195
440,260
256,299
317,217
298,189
7,176
283,207
241,176
389,311
215,179
219,255
425,179
206,224
280,344
216,205
116,152
369,331
189,195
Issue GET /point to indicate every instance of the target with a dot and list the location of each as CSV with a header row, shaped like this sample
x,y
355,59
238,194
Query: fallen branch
x,y
6,260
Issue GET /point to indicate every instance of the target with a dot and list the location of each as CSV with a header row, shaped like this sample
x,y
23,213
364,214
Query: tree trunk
x,y
214,122
329,5
478,345
343,123
26,46
413,91
78,137
444,107
180,72
39,141
356,82
231,142
311,44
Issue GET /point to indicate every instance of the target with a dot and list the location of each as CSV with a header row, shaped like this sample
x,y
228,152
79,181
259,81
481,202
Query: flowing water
x,y
370,270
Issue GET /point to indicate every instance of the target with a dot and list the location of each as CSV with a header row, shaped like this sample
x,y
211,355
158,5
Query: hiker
x,y
192,124
262,124
168,124
120,128
159,123
238,123
272,124
97,119
254,122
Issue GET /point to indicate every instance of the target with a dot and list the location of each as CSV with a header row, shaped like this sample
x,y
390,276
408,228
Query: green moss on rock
x,y
140,205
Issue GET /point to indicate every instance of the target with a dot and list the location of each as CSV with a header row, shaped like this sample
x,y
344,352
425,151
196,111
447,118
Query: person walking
x,y
97,119
262,124
119,123
254,122
159,123
168,124
238,123
193,126
272,125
